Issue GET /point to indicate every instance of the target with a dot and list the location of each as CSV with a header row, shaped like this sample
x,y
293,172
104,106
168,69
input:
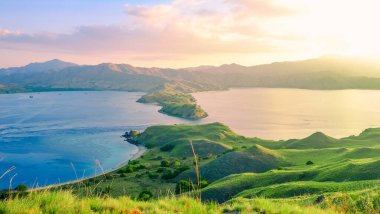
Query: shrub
x,y
167,147
145,195
165,163
183,186
22,188
152,175
139,166
126,169
176,163
129,169
168,174
309,163
159,170
134,162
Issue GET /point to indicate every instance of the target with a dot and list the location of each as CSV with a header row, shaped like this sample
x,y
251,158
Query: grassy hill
x,y
175,101
318,174
232,166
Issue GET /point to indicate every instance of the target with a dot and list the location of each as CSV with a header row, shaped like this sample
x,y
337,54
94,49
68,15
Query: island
x,y
175,102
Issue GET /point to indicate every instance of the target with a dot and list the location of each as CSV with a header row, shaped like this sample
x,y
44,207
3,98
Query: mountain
x,y
335,64
326,73
52,65
320,73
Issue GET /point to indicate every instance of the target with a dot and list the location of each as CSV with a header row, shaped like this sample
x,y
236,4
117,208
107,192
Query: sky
x,y
184,33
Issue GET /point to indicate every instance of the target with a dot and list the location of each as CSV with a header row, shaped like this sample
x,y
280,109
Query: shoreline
x,y
140,151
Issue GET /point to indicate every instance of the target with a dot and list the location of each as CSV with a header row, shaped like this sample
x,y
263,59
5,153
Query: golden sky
x,y
184,33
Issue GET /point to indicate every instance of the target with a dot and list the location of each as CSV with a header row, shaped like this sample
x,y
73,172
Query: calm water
x,y
48,136
292,113
58,136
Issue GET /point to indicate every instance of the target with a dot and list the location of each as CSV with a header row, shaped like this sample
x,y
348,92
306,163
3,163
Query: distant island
x,y
171,88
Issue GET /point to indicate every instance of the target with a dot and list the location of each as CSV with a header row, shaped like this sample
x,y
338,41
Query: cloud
x,y
183,27
7,33
206,31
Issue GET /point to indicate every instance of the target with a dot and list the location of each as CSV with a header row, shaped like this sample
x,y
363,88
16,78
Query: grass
x,y
234,165
175,102
246,174
66,202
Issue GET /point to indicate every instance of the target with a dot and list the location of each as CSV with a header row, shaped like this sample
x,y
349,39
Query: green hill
x,y
234,165
174,102
318,174
317,140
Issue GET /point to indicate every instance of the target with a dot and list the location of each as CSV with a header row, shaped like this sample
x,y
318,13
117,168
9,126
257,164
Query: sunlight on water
x,y
292,113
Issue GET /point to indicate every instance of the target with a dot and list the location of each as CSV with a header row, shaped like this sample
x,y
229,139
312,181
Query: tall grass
x,y
198,176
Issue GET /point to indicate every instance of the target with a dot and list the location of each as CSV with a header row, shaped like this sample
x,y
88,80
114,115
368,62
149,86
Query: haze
x,y
183,33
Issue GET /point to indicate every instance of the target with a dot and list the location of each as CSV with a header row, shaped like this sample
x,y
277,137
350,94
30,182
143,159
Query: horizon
x,y
367,59
180,34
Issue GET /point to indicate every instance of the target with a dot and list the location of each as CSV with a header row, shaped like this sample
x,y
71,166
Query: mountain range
x,y
319,73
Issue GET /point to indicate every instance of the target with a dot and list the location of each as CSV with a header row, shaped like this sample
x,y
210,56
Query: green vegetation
x,y
66,202
318,174
235,168
175,102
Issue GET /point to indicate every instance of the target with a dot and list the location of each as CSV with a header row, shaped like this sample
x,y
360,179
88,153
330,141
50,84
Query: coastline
x,y
140,151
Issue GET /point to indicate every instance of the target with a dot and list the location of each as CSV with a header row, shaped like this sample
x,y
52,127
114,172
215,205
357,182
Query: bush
x,y
22,188
134,162
153,175
145,195
139,166
165,163
183,186
176,163
168,174
129,169
126,169
167,147
309,163
159,170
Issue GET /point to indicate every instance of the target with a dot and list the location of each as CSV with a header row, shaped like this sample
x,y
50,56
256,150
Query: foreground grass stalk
x,y
197,171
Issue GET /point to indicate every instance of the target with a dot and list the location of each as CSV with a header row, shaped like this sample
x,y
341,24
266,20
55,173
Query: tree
x,y
165,163
145,195
183,186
